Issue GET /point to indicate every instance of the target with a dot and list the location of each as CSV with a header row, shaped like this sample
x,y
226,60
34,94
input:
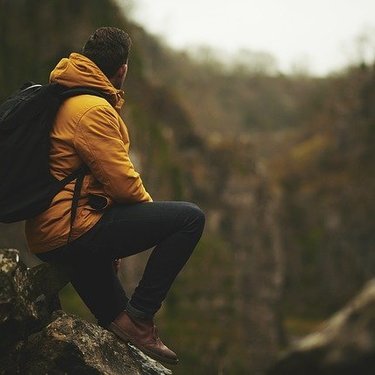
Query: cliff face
x,y
37,338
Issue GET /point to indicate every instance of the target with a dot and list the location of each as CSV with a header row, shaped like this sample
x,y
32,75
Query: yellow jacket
x,y
87,130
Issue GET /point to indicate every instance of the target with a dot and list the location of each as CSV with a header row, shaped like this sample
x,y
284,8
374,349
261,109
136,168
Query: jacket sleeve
x,y
105,150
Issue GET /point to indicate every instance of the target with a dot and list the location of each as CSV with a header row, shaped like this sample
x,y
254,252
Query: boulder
x,y
27,297
345,344
38,338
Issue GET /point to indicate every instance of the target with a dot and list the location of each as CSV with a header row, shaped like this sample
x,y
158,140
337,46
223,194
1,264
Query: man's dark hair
x,y
108,48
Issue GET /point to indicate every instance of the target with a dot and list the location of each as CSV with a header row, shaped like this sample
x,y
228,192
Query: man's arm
x,y
101,145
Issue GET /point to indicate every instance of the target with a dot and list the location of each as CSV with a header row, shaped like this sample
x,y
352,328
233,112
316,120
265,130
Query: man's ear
x,y
122,70
119,77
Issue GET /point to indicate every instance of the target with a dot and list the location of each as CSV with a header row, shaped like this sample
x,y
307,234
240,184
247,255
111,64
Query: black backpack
x,y
26,118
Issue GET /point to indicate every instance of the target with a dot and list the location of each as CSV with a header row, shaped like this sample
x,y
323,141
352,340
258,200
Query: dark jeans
x,y
174,228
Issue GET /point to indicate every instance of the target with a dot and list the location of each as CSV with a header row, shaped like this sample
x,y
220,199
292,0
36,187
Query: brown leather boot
x,y
142,334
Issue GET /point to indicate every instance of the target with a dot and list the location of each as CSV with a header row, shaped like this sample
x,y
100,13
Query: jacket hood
x,y
78,70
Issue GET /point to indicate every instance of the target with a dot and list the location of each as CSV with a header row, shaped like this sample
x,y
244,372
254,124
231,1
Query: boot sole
x,y
124,337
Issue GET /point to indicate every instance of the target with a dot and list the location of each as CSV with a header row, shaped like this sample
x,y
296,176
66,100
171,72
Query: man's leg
x,y
92,275
174,228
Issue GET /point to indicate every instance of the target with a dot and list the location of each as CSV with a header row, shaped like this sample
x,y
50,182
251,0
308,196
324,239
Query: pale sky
x,y
319,33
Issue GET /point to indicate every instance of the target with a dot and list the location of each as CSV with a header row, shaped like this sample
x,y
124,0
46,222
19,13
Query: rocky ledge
x,y
38,338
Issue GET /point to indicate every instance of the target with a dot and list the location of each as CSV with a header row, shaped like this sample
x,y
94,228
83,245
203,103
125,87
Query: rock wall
x,y
37,338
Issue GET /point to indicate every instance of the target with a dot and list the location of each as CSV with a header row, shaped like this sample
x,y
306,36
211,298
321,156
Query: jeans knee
x,y
201,217
197,216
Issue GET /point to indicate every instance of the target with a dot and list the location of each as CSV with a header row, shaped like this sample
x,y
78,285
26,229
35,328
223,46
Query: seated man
x,y
116,216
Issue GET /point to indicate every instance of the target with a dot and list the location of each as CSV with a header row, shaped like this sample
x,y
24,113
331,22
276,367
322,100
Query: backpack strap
x,y
71,177
79,90
79,175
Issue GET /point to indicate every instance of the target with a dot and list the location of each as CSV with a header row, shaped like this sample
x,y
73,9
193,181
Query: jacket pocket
x,y
98,202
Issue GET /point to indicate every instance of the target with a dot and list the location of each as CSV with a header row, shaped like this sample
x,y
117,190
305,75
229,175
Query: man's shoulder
x,y
87,101
78,106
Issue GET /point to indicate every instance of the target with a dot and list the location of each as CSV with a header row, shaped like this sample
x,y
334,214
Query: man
x,y
116,216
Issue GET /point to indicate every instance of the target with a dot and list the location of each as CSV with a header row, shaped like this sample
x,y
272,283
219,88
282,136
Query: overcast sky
x,y
316,33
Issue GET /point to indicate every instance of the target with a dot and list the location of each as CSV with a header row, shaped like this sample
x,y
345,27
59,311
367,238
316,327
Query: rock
x,y
35,338
148,366
27,297
73,346
345,345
